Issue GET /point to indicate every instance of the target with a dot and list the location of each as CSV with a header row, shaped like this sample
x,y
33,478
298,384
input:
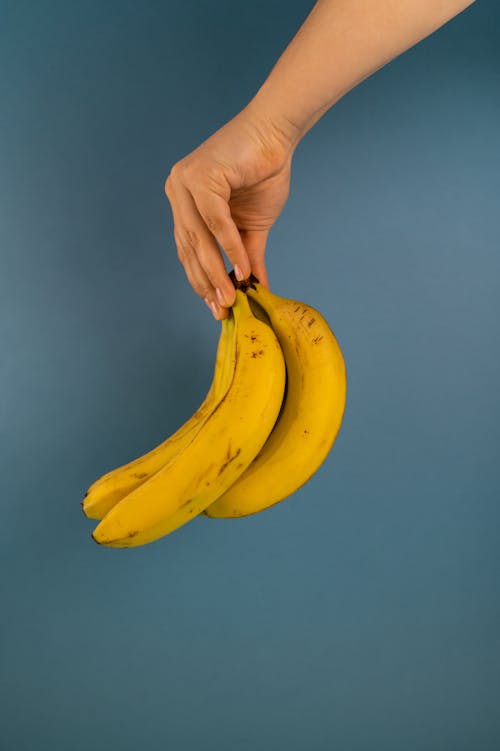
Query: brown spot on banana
x,y
228,462
253,337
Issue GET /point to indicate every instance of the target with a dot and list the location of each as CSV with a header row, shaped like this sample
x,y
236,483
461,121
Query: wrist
x,y
273,123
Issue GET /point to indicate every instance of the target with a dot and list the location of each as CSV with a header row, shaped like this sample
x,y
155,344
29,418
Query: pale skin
x,y
230,190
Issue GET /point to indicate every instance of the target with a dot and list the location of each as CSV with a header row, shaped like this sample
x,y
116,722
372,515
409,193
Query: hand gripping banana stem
x,y
107,491
311,415
228,441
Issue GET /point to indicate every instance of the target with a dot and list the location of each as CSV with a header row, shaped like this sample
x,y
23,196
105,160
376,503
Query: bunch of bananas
x,y
268,421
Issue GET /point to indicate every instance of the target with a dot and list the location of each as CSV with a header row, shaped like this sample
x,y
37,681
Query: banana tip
x,y
86,511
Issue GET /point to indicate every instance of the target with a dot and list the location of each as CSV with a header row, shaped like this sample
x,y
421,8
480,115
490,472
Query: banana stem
x,y
245,283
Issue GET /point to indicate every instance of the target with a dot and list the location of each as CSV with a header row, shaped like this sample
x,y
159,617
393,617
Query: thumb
x,y
255,246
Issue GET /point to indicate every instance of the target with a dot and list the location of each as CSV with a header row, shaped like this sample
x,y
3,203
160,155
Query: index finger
x,y
216,214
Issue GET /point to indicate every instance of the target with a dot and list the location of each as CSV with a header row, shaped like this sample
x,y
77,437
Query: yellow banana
x,y
108,490
220,451
311,415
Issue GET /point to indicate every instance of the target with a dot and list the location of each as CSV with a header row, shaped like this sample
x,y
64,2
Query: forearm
x,y
340,44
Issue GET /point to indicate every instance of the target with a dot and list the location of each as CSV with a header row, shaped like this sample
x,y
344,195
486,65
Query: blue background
x,y
364,612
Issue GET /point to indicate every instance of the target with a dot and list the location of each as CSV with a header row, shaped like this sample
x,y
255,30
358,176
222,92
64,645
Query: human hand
x,y
230,190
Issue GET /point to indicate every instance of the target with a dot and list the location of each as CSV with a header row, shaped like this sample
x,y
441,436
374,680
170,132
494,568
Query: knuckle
x,y
183,251
173,177
213,223
176,171
203,289
190,171
213,175
192,237
231,251
178,241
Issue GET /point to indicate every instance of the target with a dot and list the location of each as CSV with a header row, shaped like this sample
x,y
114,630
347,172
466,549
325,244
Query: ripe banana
x,y
228,441
108,490
311,415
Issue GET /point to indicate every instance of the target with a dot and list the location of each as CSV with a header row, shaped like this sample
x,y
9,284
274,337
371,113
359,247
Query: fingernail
x,y
238,273
220,296
212,306
215,310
